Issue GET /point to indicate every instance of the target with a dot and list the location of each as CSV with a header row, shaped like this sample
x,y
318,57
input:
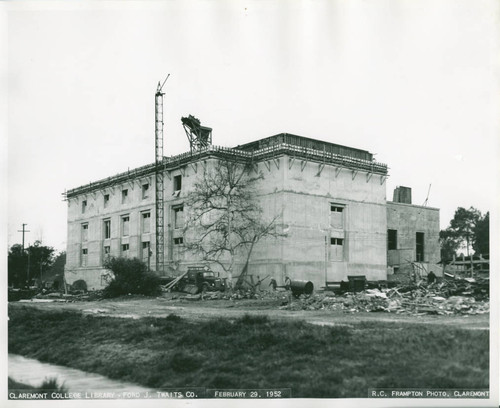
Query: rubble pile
x,y
73,296
236,295
478,288
458,296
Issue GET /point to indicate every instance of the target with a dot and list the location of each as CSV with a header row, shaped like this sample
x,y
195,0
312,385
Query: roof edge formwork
x,y
307,142
244,154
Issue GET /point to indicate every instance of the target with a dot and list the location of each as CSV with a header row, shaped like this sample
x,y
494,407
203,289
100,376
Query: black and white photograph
x,y
214,202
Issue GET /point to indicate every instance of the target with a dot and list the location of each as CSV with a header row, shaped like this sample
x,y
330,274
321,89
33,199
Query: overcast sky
x,y
415,82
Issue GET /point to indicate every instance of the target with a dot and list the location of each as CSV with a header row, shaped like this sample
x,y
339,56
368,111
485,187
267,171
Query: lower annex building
x,y
332,201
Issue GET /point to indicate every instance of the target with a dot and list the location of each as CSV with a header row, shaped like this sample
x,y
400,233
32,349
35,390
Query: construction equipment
x,y
198,136
160,229
172,283
198,279
301,287
259,281
427,198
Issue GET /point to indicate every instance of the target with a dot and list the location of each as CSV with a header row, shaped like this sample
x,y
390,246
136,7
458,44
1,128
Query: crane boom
x,y
427,198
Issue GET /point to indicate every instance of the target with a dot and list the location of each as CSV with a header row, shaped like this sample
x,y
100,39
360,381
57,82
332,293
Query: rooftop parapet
x,y
306,142
252,156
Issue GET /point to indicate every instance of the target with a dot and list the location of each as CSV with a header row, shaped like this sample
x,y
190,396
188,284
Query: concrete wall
x,y
409,219
96,213
310,191
302,193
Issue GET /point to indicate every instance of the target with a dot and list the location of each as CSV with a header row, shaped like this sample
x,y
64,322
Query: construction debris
x,y
459,296
172,283
69,297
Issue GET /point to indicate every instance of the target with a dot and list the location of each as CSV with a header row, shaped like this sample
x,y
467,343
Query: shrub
x,y
48,385
52,384
79,285
173,318
130,277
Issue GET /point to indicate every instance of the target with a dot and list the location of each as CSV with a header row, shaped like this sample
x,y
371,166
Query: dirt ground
x,y
137,307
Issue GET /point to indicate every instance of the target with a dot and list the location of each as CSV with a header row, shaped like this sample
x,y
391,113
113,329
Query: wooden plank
x,y
171,284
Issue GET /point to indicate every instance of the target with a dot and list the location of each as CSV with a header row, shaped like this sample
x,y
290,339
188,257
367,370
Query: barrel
x,y
301,287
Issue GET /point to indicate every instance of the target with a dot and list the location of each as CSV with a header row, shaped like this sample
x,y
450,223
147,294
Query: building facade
x,y
331,200
412,235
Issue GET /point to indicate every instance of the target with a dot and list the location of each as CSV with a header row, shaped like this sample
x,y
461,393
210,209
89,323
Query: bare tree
x,y
224,220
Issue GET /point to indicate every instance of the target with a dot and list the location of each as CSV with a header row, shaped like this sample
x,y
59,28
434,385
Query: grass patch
x,y
255,352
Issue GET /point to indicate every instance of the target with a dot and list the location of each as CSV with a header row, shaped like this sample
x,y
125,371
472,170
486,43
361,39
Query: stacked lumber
x,y
171,284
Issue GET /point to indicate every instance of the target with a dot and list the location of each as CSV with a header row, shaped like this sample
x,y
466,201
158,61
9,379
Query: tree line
x,y
37,262
469,230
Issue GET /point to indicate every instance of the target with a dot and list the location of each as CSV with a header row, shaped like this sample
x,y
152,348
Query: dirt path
x,y
202,310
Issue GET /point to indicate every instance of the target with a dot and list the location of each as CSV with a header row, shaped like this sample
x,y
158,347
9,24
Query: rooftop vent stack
x,y
402,195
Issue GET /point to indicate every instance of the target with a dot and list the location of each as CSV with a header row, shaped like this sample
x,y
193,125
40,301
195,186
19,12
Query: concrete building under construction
x,y
331,200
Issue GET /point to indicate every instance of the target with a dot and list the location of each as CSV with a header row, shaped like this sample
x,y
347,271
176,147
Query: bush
x,y
131,277
79,285
173,318
52,384
48,385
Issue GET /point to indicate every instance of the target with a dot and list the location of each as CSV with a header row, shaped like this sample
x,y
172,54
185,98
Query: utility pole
x,y
28,271
23,231
326,261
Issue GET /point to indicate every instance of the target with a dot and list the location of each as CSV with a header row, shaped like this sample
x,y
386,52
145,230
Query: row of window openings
x,y
107,252
126,247
177,188
176,241
178,221
145,226
106,197
146,253
178,211
145,193
391,236
392,243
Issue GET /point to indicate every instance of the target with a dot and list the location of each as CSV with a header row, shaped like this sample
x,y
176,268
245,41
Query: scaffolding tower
x,y
160,219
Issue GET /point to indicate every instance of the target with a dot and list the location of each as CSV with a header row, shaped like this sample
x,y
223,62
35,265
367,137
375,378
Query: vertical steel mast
x,y
160,224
